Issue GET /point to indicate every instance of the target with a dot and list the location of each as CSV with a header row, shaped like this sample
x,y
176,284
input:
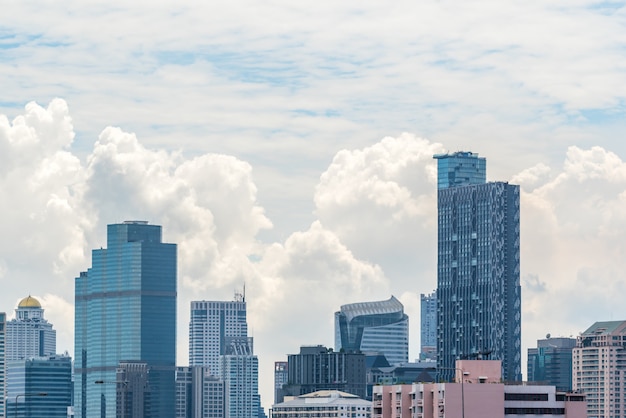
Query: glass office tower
x,y
28,379
3,318
478,267
125,309
374,327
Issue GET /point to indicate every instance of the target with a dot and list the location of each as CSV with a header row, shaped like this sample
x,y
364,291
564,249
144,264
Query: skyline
x,y
268,142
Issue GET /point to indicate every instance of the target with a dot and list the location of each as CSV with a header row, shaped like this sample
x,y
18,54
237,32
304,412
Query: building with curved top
x,y
29,334
374,327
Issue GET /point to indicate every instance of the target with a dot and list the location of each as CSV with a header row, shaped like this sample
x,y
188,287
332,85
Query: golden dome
x,y
29,302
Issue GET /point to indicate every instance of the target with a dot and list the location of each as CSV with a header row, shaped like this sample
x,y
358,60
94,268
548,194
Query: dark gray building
x,y
478,267
428,326
551,362
320,368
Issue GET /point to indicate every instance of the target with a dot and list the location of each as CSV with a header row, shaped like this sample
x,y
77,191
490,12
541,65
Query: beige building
x,y
323,403
599,369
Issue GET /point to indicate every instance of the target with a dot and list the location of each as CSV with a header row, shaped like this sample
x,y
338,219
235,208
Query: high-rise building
x,y
478,266
281,378
599,368
551,362
133,390
39,387
428,326
3,318
218,340
374,327
125,309
29,334
184,385
212,324
320,368
239,370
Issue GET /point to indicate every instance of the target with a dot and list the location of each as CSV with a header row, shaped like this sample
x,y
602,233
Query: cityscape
x,y
125,337
425,198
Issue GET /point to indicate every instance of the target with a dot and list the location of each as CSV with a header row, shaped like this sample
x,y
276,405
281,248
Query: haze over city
x,y
288,147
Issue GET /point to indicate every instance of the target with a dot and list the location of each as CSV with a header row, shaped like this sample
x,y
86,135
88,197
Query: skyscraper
x,y
428,326
551,362
478,266
374,327
212,324
218,339
598,368
29,334
3,318
126,310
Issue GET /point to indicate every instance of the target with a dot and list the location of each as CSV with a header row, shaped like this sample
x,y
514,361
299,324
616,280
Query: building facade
x,y
374,327
239,370
477,393
29,334
428,326
212,324
39,387
319,368
325,403
551,362
3,323
125,310
478,266
219,343
281,378
599,368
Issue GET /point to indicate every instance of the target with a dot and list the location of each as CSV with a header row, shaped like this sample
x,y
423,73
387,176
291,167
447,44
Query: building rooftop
x,y
29,302
605,328
391,305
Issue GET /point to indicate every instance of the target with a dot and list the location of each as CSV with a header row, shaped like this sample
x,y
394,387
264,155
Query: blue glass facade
x,y
3,318
369,327
478,267
30,379
460,169
125,309
551,362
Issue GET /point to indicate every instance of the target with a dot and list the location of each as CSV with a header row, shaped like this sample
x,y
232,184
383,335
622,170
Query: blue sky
x,y
265,136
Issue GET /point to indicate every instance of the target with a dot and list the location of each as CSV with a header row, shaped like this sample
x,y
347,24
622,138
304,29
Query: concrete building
x,y
125,310
478,266
374,327
550,362
428,326
212,324
239,370
29,334
477,393
219,343
599,368
319,368
325,403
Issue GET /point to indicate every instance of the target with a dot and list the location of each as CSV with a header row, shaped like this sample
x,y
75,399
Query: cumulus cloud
x,y
371,197
572,243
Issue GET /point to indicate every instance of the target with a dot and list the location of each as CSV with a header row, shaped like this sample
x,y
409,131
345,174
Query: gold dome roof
x,y
29,302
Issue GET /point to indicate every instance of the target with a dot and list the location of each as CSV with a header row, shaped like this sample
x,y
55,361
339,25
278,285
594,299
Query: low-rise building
x,y
323,403
476,393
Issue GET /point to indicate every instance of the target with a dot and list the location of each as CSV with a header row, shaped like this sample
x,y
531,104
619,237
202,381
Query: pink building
x,y
478,395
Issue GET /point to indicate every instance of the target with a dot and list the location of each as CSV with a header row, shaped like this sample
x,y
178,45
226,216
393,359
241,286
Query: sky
x,y
288,146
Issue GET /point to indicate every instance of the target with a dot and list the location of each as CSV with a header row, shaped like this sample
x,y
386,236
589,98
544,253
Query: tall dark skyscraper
x,y
126,311
478,266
